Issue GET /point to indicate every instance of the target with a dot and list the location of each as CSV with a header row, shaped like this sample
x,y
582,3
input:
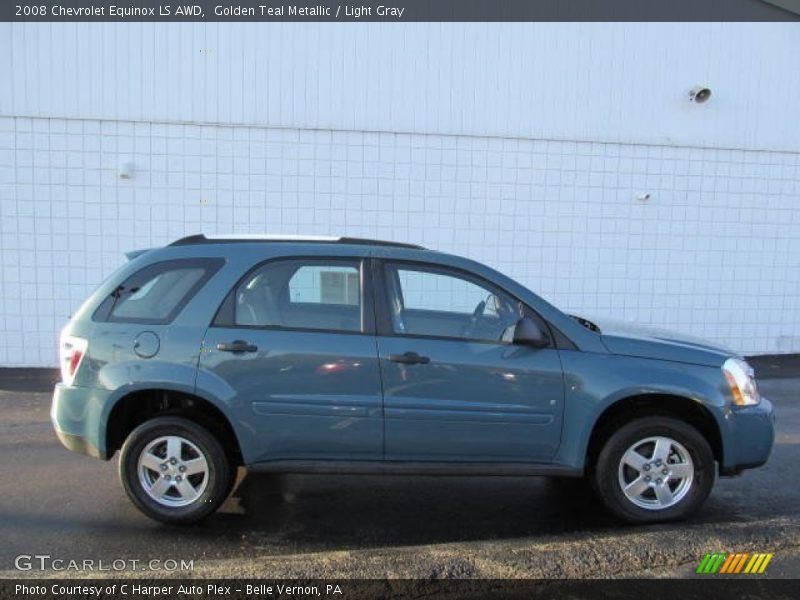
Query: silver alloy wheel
x,y
173,471
656,473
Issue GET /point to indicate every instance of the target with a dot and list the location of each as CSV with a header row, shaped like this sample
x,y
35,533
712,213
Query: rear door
x,y
295,342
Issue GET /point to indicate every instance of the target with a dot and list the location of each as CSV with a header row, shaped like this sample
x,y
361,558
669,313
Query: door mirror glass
x,y
528,333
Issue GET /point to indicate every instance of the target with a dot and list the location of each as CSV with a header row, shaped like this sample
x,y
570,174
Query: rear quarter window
x,y
158,292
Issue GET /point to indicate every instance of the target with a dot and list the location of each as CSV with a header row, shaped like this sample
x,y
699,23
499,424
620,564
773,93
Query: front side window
x,y
301,294
157,293
441,303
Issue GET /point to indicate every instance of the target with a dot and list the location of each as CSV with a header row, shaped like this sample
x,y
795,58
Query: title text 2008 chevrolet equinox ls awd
x,y
344,355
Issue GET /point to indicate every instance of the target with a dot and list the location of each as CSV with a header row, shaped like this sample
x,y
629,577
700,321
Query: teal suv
x,y
342,355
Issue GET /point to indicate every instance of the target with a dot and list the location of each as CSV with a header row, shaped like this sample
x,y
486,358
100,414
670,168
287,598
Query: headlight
x,y
742,381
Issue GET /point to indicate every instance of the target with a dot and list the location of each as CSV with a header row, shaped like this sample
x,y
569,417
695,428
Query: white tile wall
x,y
715,251
618,82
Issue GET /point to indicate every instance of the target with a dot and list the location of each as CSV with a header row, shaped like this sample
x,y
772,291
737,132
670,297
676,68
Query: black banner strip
x,y
400,10
704,588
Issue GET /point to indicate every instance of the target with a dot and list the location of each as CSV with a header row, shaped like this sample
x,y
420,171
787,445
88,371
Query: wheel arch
x,y
135,406
637,406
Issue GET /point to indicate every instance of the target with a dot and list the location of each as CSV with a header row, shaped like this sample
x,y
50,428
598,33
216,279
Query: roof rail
x,y
234,238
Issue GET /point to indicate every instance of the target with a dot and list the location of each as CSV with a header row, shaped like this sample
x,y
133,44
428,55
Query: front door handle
x,y
409,358
237,346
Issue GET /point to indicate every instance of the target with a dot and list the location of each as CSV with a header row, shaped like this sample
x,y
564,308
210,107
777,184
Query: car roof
x,y
199,239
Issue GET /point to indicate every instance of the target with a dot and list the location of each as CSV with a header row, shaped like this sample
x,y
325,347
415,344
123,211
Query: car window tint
x,y
325,285
441,303
434,291
155,294
301,294
157,297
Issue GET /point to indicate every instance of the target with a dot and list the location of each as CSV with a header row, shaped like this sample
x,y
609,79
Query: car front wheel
x,y
654,469
174,470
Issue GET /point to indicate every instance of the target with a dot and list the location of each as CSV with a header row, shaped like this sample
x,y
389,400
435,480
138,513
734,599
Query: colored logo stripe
x,y
721,562
727,564
711,562
735,563
758,563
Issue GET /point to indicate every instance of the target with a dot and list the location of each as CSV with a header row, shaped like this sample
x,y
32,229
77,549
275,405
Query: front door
x,y
293,345
455,387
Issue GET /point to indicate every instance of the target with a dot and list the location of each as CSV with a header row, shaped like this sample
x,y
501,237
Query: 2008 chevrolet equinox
x,y
345,355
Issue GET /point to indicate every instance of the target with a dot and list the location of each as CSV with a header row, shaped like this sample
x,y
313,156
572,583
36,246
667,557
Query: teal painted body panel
x,y
473,402
304,395
595,382
321,395
78,412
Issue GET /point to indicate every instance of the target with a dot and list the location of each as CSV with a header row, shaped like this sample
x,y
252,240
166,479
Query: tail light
x,y
73,349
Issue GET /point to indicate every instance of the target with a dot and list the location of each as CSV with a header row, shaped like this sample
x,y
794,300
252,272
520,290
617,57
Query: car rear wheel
x,y
654,469
174,470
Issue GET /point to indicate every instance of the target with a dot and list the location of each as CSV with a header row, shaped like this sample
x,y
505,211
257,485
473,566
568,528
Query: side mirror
x,y
528,333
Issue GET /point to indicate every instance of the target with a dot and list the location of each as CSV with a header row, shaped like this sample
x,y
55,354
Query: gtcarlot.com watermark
x,y
46,562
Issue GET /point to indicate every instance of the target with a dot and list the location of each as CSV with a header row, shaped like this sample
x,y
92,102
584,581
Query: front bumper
x,y
749,436
78,418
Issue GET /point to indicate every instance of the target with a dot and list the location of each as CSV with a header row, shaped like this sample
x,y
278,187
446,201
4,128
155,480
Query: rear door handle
x,y
237,346
409,358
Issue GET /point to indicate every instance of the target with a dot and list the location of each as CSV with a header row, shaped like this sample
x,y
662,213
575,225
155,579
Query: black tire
x,y
220,472
606,472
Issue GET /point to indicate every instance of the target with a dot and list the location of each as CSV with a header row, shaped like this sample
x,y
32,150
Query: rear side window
x,y
158,292
314,294
327,284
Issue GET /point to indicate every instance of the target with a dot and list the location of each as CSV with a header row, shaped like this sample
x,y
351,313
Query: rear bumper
x,y
749,437
78,420
78,443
